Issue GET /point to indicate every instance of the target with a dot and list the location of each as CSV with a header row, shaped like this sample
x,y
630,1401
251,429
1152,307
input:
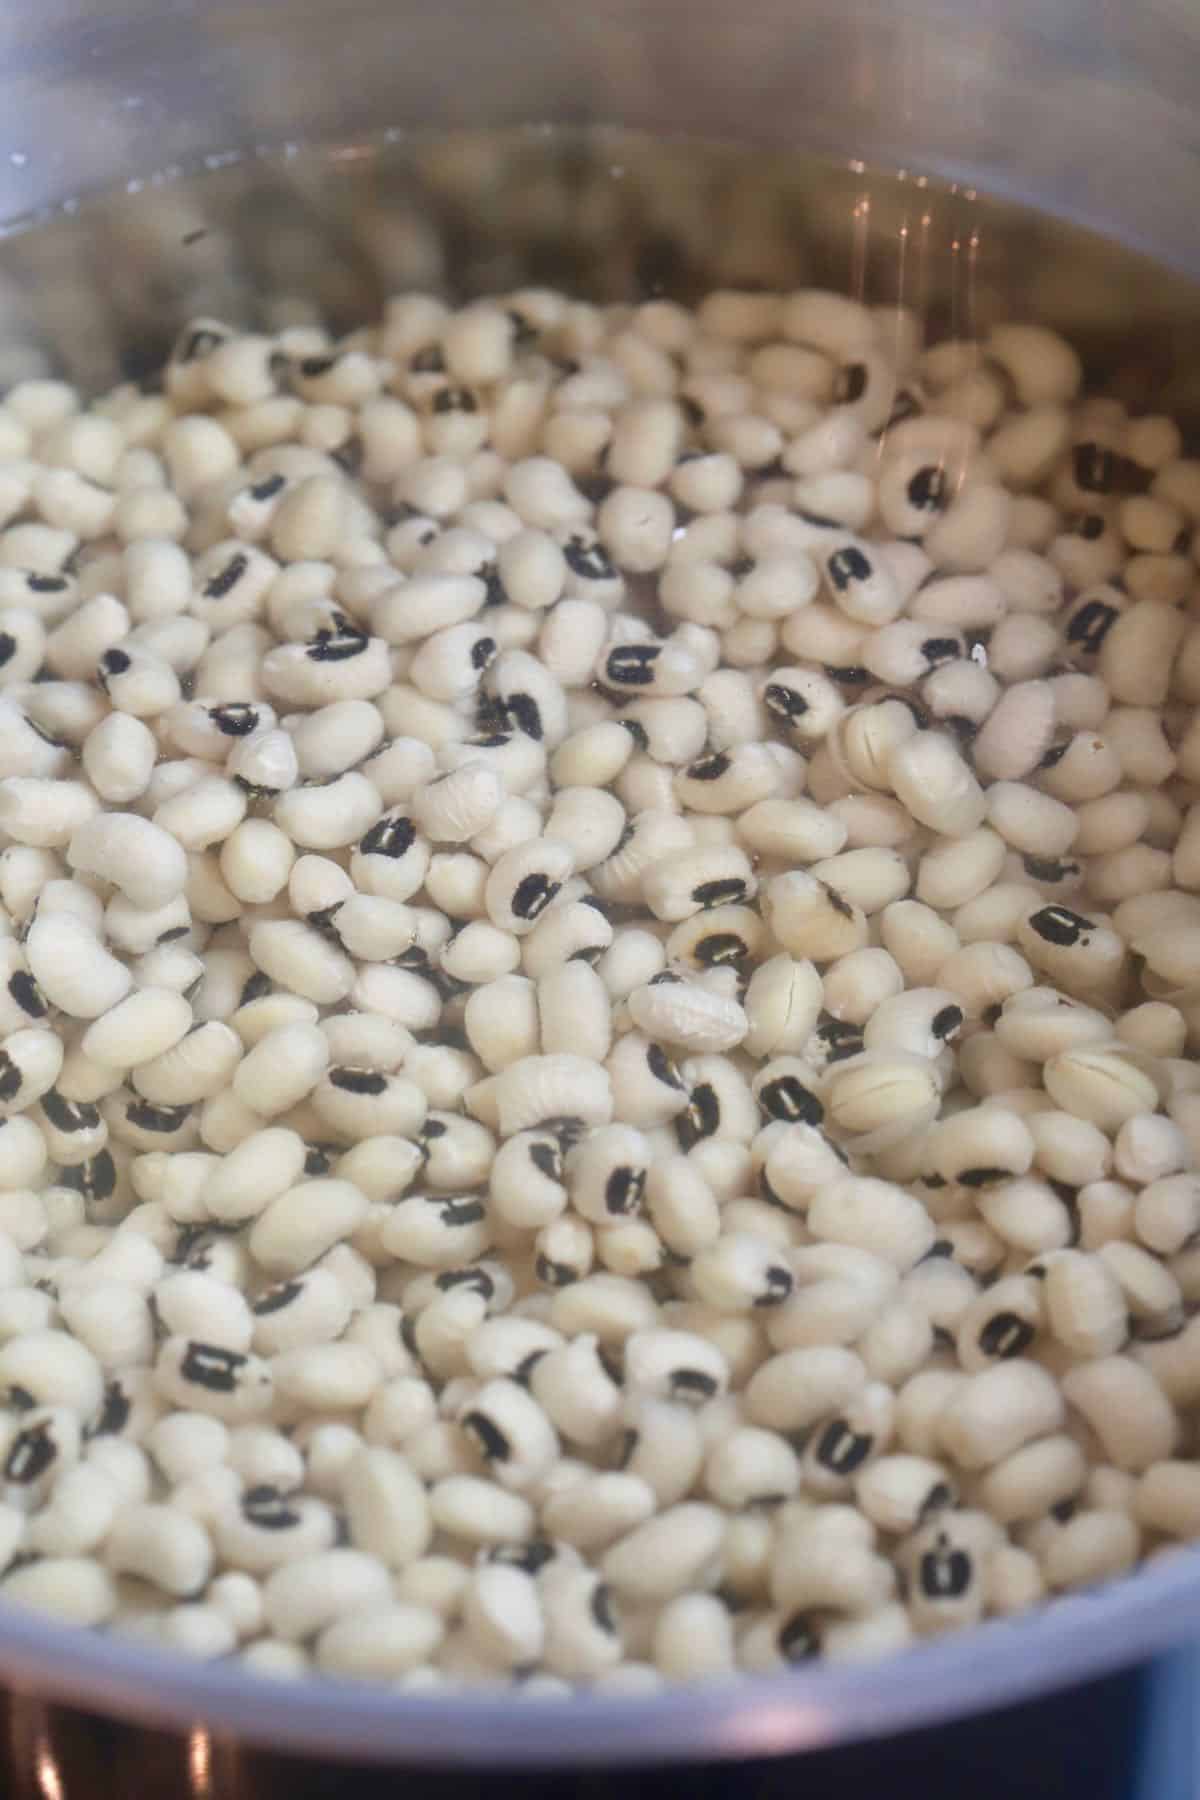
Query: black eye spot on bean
x,y
19,1398
927,488
114,1414
983,1177
841,1038
491,1440
1045,869
329,646
267,1508
267,490
851,383
95,1179
1054,755
937,651
256,986
1006,1334
69,1115
797,1640
940,1495
32,1452
213,1367
695,1384
113,662
552,1274
720,947
548,1159
533,895
719,893
945,1023
27,994
530,1557
8,647
842,1450
235,719
1058,925
632,665
848,565
623,1191
524,713
779,1285
489,574
276,1298
457,1213
787,1098
710,768
478,1280
600,1607
853,676
455,399
783,701
945,1574
523,1372
227,578
389,837
156,1118
701,1118
1090,624
11,1077
662,1068
358,1081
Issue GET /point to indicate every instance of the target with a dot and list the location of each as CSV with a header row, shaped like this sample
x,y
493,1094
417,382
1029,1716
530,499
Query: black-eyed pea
x,y
881,1097
1001,1322
739,1272
161,1545
571,1384
1080,954
605,1173
661,1445
1092,1546
1102,1085
1031,1482
1151,1291
674,1365
820,1569
943,1560
593,1510
997,1410
668,1555
1085,1307
811,920
898,1342
841,1446
840,1289
1123,1403
76,1590
898,1491
876,1217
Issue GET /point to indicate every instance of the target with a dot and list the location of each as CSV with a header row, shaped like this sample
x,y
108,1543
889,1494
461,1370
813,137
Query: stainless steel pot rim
x,y
1003,1662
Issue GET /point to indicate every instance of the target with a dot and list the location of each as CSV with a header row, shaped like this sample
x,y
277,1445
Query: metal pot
x,y
1086,111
